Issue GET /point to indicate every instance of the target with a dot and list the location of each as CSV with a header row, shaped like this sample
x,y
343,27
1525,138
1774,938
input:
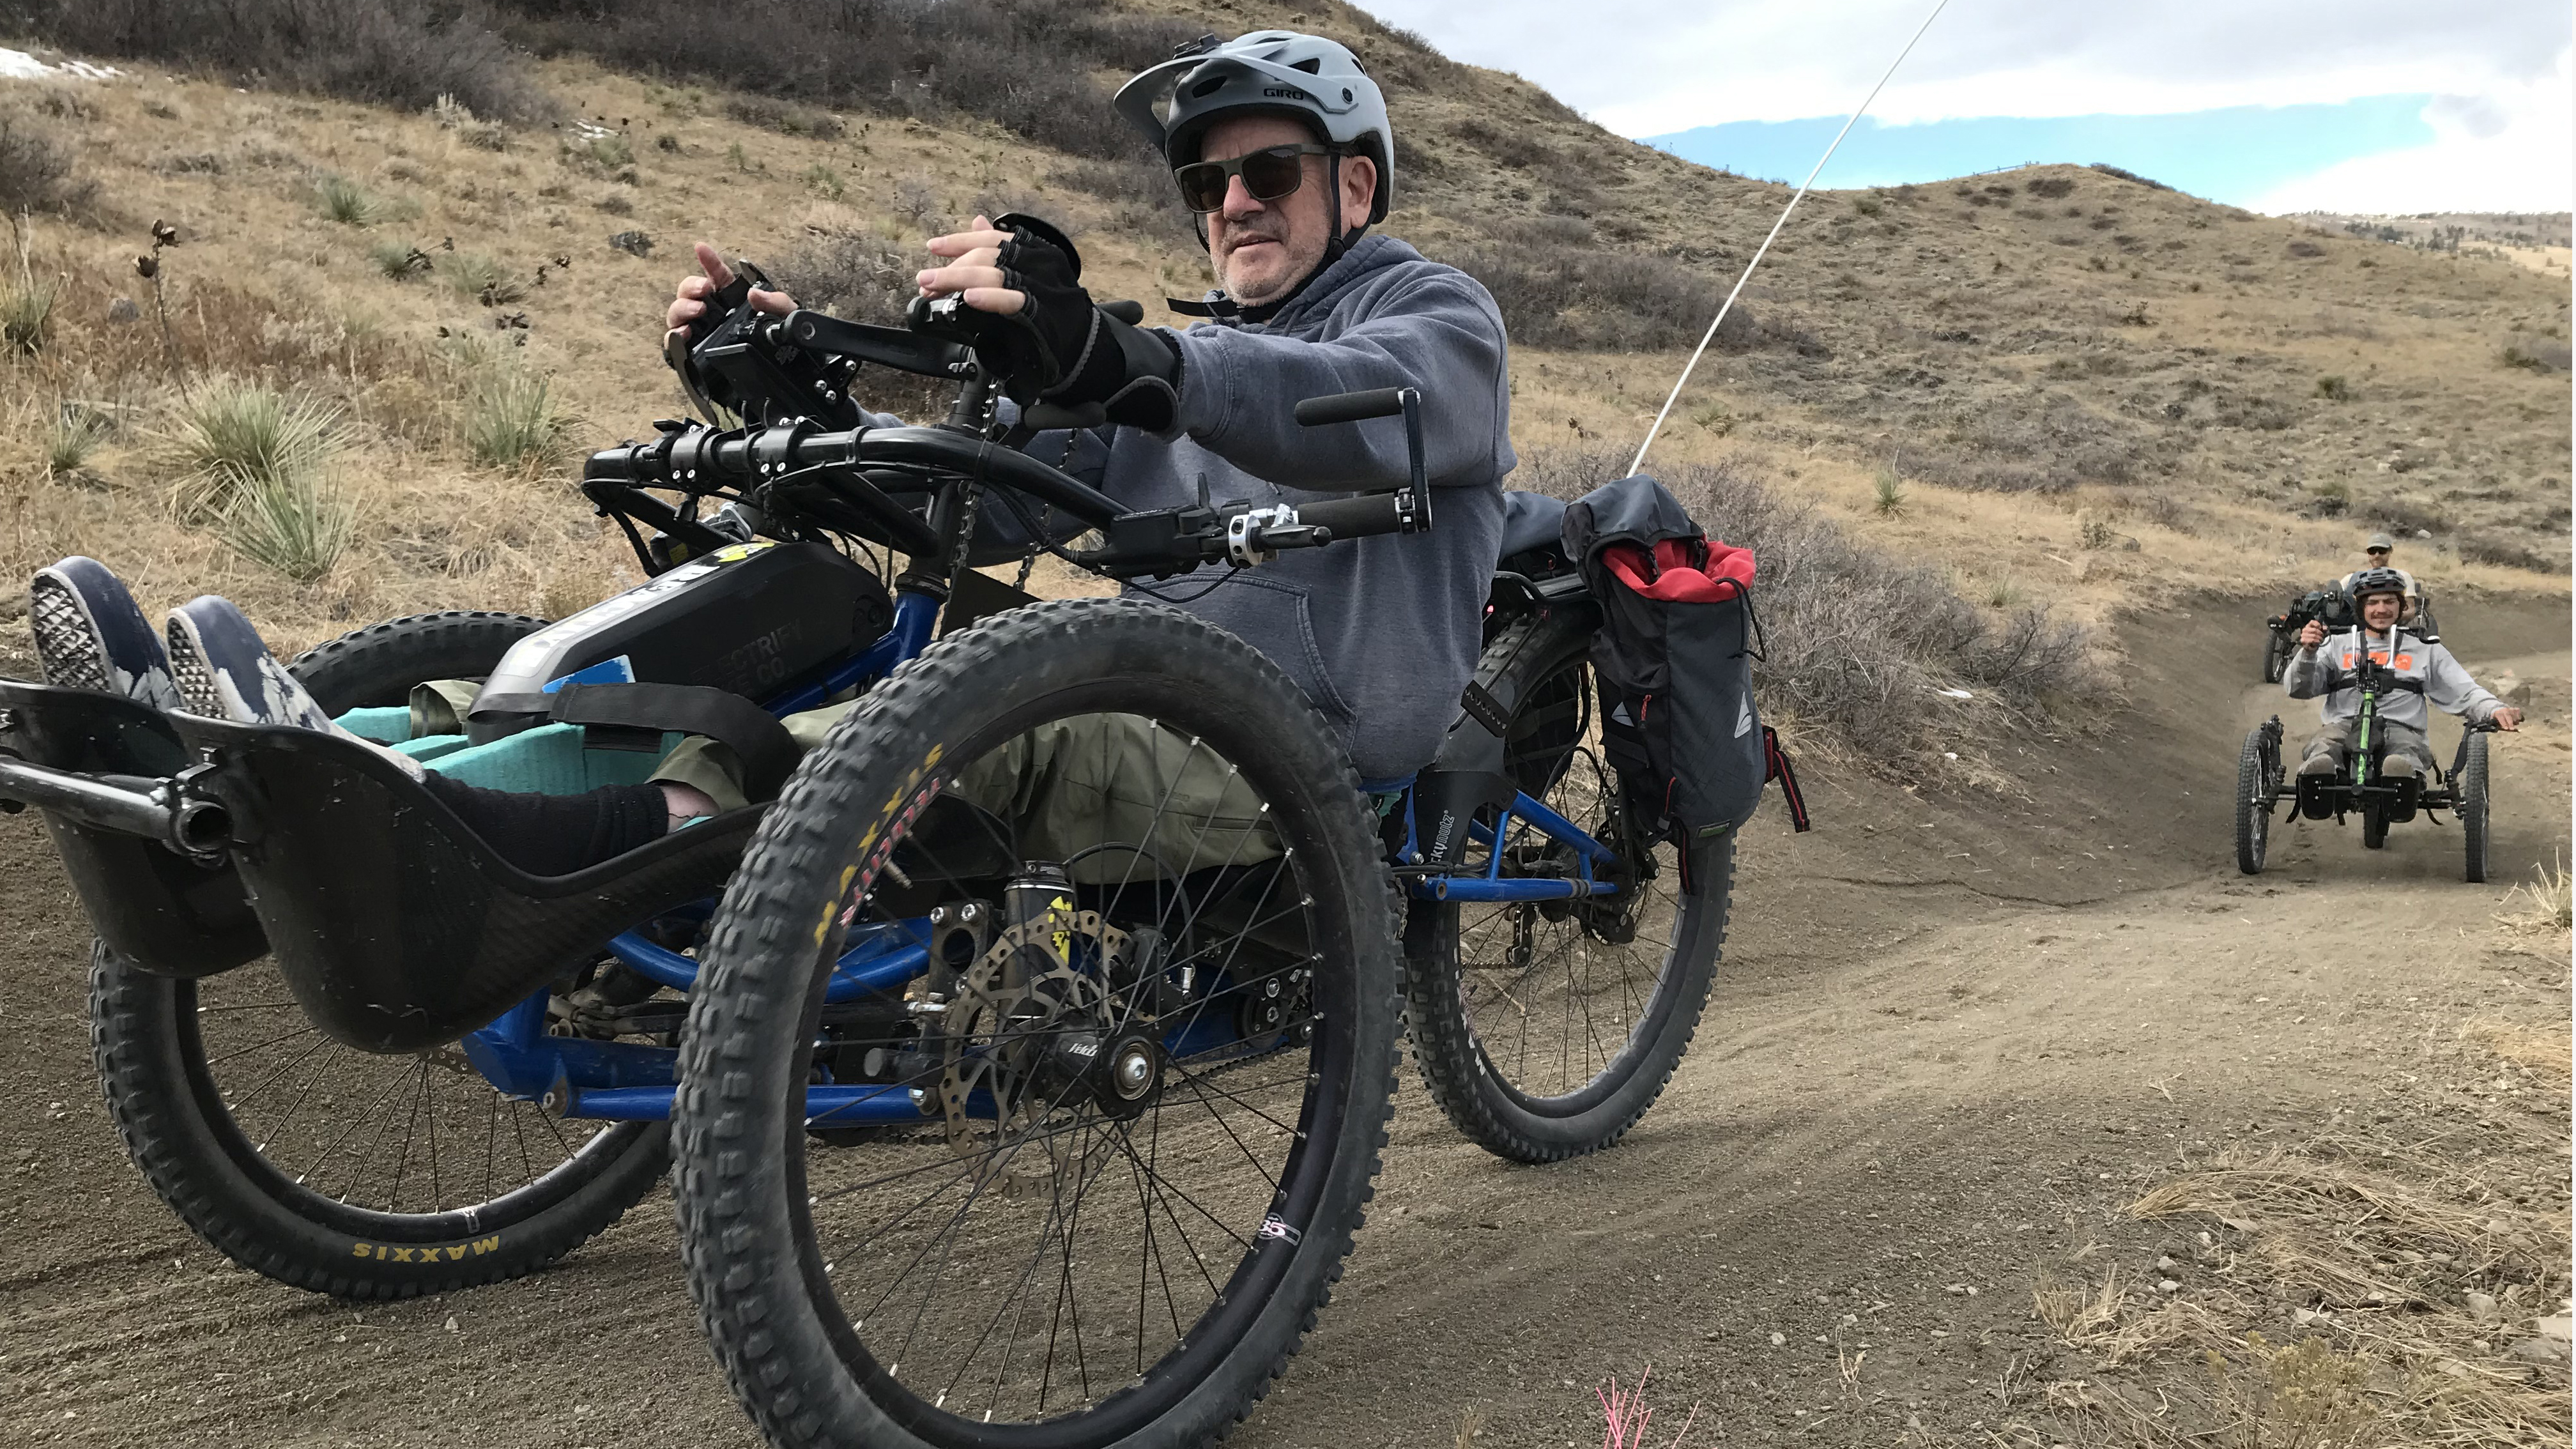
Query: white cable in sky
x,y
1722,310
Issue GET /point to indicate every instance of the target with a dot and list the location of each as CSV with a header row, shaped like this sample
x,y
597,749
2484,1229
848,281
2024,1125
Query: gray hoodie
x,y
2424,671
1381,633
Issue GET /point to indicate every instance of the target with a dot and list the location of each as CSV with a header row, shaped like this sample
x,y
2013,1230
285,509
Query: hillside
x,y
2018,1117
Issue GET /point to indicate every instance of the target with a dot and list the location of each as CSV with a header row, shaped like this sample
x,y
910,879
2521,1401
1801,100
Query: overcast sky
x,y
2497,73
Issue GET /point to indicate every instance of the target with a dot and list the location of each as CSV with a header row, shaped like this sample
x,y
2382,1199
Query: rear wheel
x,y
2258,776
1546,1029
2469,802
331,1169
1123,1141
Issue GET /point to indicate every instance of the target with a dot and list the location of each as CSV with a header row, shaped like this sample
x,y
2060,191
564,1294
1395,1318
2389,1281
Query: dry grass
x,y
513,422
2544,901
294,524
2358,1290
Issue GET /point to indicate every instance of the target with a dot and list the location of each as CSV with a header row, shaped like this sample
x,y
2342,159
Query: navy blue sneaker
x,y
224,670
89,634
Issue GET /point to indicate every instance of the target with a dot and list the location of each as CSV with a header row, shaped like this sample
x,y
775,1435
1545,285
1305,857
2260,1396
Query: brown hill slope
x,y
2071,358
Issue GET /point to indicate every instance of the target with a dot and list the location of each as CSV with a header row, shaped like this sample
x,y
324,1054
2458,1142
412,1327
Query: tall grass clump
x,y
235,437
513,422
1887,494
477,276
71,440
292,523
342,200
1858,641
26,312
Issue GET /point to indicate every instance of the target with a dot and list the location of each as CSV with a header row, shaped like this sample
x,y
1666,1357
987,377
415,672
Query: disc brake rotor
x,y
1003,1018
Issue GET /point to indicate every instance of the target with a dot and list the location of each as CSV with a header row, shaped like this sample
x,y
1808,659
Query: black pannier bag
x,y
1675,656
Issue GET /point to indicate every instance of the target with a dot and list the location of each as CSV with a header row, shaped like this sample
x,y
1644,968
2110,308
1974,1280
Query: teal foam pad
x,y
388,725
549,760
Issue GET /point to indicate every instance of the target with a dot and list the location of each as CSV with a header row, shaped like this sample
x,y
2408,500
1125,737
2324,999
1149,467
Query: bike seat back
x,y
395,927
1531,521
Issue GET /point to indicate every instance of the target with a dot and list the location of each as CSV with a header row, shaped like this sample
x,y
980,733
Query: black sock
x,y
557,834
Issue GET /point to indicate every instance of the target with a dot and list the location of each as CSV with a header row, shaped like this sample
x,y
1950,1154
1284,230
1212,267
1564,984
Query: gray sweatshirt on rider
x,y
2328,670
1381,633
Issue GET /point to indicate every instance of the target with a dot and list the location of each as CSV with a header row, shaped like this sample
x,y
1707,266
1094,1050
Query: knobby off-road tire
x,y
2374,825
2255,779
273,1143
831,1326
1541,1039
2469,803
2276,655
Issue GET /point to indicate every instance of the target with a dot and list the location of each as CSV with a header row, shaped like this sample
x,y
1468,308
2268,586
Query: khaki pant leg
x,y
710,765
2408,741
1144,802
438,706
2333,742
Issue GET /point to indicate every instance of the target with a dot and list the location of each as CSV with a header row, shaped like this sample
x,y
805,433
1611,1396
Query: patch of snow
x,y
19,65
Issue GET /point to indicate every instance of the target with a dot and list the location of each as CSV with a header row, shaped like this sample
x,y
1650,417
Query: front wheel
x,y
332,1169
2374,825
2258,778
2469,802
1087,1179
2276,655
1546,1029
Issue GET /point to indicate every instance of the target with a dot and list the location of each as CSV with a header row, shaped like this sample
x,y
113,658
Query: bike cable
x,y
1711,335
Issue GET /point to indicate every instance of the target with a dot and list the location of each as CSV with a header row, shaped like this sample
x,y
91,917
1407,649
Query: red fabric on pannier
x,y
1675,573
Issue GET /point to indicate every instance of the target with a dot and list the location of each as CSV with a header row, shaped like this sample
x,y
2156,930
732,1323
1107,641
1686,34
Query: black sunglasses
x,y
1268,174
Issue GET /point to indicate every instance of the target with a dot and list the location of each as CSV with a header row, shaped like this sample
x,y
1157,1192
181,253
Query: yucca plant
x,y
1887,494
236,436
26,310
291,523
512,421
75,435
342,200
398,260
475,275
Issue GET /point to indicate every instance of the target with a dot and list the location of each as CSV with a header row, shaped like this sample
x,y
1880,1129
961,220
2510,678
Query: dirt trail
x,y
1952,1041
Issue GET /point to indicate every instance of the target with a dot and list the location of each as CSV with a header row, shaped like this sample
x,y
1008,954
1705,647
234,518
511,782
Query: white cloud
x,y
1645,67
2505,150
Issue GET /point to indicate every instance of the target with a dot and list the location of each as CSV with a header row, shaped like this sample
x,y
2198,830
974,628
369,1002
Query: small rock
x,y
2167,1285
2423,533
2166,1265
2482,1307
451,1323
1960,1290
633,243
2537,1350
1851,1320
1779,1339
123,310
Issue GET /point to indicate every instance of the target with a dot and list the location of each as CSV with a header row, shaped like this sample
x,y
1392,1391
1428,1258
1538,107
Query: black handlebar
x,y
1350,407
840,480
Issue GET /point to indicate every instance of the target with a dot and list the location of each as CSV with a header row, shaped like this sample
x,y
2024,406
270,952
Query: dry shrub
x,y
1857,642
400,53
1025,65
1558,288
230,439
36,168
862,278
788,118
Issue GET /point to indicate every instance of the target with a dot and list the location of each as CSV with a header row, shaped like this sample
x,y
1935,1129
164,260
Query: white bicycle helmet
x,y
1277,72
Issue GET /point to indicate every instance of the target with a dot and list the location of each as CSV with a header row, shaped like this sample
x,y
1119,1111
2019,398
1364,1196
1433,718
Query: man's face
x,y
2379,611
1263,248
2378,557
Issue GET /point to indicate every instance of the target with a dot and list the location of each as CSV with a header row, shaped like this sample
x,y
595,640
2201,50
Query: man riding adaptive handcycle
x,y
1031,1069
2371,754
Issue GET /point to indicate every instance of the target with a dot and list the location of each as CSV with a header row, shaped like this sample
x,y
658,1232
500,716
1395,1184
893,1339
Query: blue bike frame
x,y
632,1082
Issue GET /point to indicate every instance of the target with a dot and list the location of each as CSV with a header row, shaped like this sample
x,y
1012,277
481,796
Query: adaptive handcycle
x,y
1008,1101
2361,787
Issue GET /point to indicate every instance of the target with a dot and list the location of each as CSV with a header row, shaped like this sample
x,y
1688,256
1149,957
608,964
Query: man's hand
x,y
2310,637
691,303
972,270
2506,717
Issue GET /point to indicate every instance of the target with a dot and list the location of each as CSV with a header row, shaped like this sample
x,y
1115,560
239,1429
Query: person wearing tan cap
x,y
2378,550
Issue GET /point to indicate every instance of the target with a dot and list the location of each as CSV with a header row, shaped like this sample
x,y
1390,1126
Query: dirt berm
x,y
1954,1037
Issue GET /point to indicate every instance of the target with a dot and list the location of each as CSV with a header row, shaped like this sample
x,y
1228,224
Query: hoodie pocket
x,y
1272,616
